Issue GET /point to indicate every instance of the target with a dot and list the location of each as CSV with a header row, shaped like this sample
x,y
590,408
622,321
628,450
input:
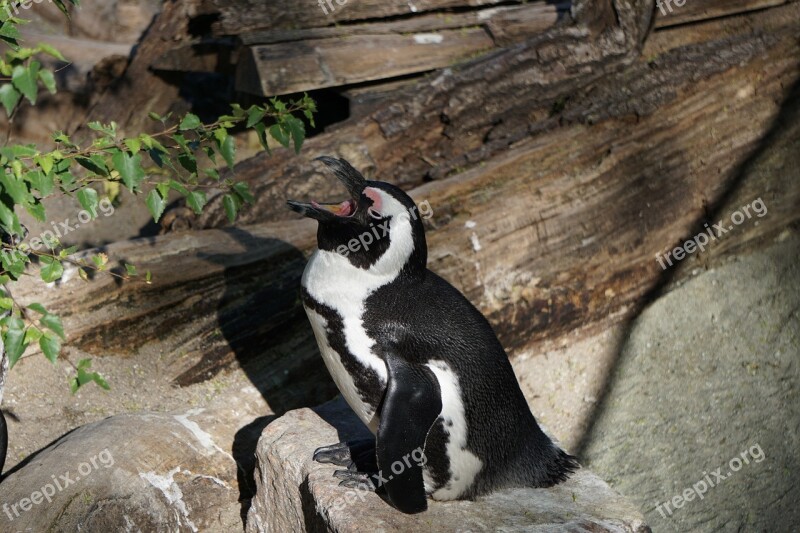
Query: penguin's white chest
x,y
339,292
365,409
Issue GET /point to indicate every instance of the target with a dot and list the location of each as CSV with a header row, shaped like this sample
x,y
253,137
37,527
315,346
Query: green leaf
x,y
45,162
37,211
297,130
176,186
9,220
10,31
84,377
52,270
51,346
10,97
279,106
190,122
232,205
182,142
19,150
66,252
188,162
48,80
67,181
134,145
279,135
156,204
16,188
255,115
152,143
14,263
227,147
100,260
197,200
130,169
42,182
94,163
49,50
212,155
14,340
243,190
100,381
88,200
32,335
39,308
53,323
60,4
24,79
261,131
130,269
6,303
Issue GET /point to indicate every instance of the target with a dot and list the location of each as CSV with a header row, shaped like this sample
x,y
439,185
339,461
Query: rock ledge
x,y
296,494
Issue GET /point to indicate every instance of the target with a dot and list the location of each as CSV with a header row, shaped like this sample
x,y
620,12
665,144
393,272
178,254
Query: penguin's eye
x,y
374,214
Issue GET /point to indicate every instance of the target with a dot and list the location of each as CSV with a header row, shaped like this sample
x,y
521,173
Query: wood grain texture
x,y
555,236
242,16
669,13
303,66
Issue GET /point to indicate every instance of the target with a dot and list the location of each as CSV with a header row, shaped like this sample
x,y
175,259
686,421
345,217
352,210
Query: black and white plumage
x,y
416,361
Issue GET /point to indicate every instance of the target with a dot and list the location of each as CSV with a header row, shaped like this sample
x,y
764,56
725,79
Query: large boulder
x,y
296,494
145,472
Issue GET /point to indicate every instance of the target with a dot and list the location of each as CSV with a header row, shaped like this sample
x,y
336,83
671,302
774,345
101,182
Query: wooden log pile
x,y
557,164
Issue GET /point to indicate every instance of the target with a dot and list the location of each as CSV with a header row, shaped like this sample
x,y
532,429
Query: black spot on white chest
x,y
347,351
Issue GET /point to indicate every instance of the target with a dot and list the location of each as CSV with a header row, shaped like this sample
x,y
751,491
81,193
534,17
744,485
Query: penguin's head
x,y
377,228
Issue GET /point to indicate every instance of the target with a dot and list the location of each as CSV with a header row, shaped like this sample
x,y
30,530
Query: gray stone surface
x,y
296,494
709,371
147,472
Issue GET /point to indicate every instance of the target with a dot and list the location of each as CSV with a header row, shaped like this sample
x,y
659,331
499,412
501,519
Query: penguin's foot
x,y
358,480
353,455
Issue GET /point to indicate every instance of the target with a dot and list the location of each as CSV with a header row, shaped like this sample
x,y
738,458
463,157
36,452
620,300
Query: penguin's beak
x,y
353,181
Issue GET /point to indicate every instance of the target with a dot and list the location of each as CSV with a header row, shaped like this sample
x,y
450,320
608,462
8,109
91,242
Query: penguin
x,y
414,359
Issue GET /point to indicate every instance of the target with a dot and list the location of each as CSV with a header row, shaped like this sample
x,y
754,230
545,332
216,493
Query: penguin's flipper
x,y
412,404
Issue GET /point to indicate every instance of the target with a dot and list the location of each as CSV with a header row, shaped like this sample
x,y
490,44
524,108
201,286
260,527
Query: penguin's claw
x,y
337,454
351,455
356,480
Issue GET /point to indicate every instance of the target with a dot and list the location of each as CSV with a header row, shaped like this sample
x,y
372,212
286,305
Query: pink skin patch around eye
x,y
375,196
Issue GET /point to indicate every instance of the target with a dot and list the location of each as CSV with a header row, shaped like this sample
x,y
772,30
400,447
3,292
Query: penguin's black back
x,y
424,319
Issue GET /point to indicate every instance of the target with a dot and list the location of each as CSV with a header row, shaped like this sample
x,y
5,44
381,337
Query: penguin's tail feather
x,y
556,468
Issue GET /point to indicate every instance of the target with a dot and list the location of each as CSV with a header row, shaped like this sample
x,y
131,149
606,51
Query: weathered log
x,y
289,62
140,89
546,236
535,16
670,13
458,117
556,235
243,16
